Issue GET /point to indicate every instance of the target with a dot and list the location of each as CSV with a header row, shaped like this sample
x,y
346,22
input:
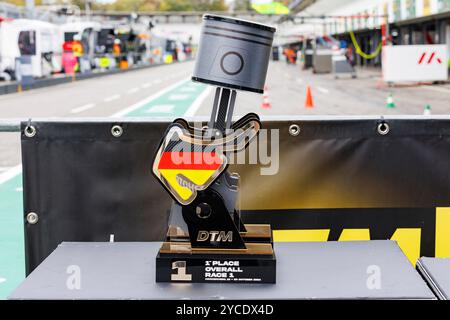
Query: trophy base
x,y
177,261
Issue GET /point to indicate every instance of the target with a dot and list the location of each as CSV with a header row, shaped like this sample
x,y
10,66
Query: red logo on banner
x,y
430,59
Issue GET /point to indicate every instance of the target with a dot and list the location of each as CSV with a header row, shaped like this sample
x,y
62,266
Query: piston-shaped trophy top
x,y
233,53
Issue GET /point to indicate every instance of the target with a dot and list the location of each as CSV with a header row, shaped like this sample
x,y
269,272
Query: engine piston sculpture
x,y
206,240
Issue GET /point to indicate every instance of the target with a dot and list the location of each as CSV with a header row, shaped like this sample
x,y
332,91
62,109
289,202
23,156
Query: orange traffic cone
x,y
309,103
266,102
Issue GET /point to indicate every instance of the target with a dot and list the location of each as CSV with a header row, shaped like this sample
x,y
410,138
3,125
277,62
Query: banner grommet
x,y
383,128
29,131
294,130
116,131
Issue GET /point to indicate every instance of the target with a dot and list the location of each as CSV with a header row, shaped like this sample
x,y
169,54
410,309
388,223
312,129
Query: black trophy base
x,y
177,262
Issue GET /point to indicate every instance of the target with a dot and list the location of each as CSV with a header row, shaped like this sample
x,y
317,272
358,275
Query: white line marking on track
x,y
11,173
157,81
198,102
19,189
178,97
146,85
133,90
323,90
2,280
83,108
112,98
187,89
139,104
299,80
